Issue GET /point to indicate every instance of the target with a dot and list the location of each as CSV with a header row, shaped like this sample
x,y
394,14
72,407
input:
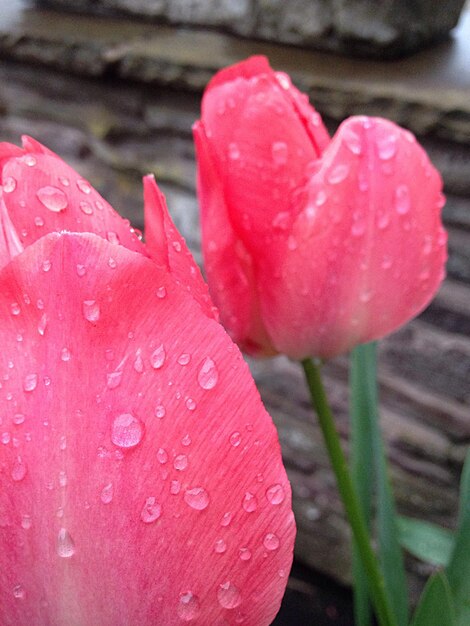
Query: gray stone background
x,y
114,88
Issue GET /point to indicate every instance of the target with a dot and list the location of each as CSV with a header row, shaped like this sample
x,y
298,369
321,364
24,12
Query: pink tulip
x,y
141,478
311,245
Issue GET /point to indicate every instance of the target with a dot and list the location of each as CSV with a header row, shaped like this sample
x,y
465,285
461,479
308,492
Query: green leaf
x,y
458,570
429,542
369,468
391,555
436,605
362,470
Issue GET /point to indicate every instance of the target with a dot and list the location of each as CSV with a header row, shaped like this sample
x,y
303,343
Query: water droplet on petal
x,y
15,308
352,141
208,375
151,511
233,152
358,228
249,502
271,542
65,545
186,440
42,324
107,493
52,198
188,606
160,411
220,546
244,554
315,118
228,596
30,382
91,310
235,439
138,363
161,292
281,220
63,479
65,354
19,470
86,208
18,418
402,199
337,174
197,498
46,265
275,494
383,220
26,522
113,379
190,404
127,431
81,270
226,519
386,147
157,359
175,487
113,238
162,456
320,198
29,160
9,184
184,359
280,152
181,462
284,80
83,186
19,592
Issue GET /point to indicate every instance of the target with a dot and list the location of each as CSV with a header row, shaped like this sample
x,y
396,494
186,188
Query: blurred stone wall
x,y
385,28
116,99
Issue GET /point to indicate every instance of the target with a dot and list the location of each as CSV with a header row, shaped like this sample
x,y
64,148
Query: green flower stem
x,y
348,494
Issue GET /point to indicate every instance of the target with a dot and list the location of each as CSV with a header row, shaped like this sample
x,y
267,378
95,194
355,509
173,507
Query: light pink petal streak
x,y
141,479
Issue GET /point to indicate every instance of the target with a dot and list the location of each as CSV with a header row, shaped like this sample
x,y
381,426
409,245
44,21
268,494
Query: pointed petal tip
x,y
248,68
32,145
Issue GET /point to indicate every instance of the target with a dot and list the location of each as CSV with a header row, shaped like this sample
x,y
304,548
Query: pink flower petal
x,y
141,479
266,168
228,264
43,194
367,250
168,248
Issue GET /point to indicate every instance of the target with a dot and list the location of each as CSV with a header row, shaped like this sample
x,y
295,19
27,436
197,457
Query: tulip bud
x,y
311,245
